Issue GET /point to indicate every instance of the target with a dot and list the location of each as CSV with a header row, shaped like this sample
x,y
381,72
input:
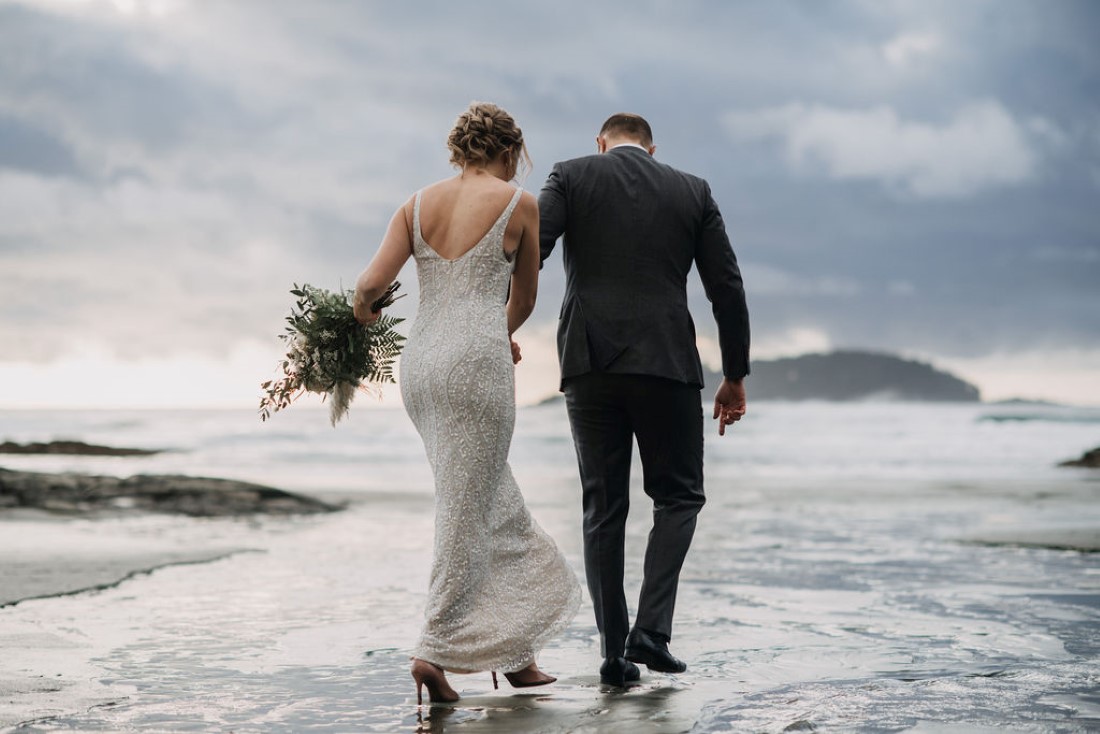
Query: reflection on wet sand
x,y
580,704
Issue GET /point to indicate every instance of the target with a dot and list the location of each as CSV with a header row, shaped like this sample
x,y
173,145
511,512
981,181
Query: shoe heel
x,y
613,672
432,677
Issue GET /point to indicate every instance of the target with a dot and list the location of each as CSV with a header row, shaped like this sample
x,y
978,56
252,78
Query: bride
x,y
500,589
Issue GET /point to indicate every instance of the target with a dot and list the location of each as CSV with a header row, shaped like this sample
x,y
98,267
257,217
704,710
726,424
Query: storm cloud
x,y
919,177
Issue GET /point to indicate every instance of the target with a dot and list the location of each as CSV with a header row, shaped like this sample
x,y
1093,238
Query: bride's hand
x,y
515,351
363,314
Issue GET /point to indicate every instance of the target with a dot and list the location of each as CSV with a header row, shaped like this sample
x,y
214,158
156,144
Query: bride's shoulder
x,y
527,209
436,188
434,194
527,201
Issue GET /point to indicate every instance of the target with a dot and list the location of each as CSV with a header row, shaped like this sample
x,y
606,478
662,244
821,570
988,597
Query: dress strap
x,y
512,204
505,216
417,236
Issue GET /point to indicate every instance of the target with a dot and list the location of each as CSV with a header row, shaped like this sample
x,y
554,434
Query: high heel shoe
x,y
517,680
432,676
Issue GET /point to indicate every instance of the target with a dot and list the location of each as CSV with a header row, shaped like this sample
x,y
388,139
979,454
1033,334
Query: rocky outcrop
x,y
71,493
1089,460
76,448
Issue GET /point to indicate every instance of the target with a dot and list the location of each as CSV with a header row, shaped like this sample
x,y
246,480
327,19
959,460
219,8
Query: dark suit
x,y
631,229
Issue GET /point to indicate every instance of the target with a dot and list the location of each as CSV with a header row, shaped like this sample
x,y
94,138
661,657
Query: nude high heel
x,y
518,682
432,676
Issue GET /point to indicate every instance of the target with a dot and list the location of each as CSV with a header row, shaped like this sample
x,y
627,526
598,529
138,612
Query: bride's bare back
x,y
457,213
455,216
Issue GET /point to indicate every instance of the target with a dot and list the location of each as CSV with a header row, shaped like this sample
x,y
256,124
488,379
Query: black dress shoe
x,y
614,671
652,651
632,674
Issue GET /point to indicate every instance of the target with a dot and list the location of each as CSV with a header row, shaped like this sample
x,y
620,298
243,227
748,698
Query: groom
x,y
630,369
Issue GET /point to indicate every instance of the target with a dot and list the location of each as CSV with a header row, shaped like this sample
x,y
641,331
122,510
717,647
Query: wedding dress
x,y
499,586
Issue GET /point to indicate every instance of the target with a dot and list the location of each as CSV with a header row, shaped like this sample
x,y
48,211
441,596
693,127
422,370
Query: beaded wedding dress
x,y
499,586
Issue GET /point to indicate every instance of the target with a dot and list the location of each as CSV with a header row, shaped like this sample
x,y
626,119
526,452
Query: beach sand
x,y
44,556
840,606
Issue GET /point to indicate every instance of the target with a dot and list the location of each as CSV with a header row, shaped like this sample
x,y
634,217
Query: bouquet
x,y
330,353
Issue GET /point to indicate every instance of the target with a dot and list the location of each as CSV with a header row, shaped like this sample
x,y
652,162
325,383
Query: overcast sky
x,y
919,177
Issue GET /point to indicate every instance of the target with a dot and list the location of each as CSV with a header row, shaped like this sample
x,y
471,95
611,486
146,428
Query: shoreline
x,y
29,500
82,583
1078,539
95,565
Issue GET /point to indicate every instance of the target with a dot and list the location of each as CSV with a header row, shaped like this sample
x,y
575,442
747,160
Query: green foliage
x,y
327,348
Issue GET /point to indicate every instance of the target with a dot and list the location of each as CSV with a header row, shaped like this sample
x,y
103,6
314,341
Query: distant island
x,y
844,375
73,448
849,375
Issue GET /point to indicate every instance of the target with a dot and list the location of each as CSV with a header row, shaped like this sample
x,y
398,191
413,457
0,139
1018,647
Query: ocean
x,y
858,567
377,449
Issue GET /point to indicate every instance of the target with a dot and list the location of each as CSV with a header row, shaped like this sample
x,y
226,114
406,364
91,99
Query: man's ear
x,y
652,149
601,144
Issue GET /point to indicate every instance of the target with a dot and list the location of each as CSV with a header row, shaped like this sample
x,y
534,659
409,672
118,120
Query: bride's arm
x,y
525,277
395,249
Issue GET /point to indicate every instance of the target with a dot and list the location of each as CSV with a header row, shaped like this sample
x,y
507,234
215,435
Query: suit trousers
x,y
606,413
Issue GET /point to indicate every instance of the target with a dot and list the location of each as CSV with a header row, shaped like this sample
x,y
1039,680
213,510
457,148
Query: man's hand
x,y
729,403
515,351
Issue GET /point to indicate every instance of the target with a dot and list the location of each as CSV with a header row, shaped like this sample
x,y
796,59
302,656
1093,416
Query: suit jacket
x,y
631,229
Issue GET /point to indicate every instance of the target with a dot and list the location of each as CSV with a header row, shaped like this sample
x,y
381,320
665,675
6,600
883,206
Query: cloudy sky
x,y
921,177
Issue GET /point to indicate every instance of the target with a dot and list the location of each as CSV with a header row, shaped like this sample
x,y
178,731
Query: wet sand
x,y
46,556
828,607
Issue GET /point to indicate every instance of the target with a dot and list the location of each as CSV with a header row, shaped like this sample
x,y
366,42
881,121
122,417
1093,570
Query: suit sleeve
x,y
717,266
551,212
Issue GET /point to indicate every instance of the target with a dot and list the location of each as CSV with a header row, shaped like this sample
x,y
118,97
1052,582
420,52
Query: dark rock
x,y
1089,460
78,448
183,495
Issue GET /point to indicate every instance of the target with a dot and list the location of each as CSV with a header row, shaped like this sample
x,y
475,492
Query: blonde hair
x,y
482,134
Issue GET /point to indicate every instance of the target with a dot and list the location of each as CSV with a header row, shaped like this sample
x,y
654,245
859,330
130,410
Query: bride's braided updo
x,y
482,134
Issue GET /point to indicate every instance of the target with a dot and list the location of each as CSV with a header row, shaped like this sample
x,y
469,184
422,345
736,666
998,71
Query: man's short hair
x,y
627,124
